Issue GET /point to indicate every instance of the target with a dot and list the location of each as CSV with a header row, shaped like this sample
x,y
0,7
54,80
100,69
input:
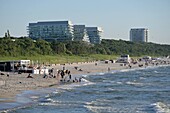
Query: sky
x,y
116,17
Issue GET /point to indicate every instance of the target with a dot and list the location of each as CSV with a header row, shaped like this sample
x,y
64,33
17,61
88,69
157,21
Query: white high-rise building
x,y
51,30
80,33
94,34
64,31
139,35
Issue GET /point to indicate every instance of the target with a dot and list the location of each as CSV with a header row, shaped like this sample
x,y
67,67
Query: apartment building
x,y
80,33
139,35
64,31
52,30
94,34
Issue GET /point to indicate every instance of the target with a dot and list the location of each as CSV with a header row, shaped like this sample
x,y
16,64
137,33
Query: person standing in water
x,y
108,68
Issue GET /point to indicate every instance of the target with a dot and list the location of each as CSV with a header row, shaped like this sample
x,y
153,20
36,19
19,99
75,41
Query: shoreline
x,y
15,84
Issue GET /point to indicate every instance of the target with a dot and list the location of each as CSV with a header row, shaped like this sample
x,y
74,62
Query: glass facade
x,y
64,31
56,30
139,35
80,33
94,34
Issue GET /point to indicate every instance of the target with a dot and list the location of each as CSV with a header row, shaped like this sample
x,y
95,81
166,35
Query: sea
x,y
143,90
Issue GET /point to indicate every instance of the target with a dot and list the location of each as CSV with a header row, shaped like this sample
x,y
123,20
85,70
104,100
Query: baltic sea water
x,y
127,91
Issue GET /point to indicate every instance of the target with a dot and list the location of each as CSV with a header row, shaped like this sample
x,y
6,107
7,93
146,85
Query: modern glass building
x,y
139,35
94,34
80,33
64,31
51,30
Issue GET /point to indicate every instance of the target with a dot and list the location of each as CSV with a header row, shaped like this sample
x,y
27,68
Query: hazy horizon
x,y
116,17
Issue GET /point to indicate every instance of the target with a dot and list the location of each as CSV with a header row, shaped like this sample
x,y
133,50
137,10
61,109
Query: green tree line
x,y
25,46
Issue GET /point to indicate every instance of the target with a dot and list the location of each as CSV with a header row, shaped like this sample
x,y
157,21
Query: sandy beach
x,y
15,83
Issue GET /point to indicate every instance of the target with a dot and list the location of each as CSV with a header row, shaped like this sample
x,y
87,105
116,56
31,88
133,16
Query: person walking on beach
x,y
29,76
7,74
130,66
68,72
70,76
108,68
80,79
62,74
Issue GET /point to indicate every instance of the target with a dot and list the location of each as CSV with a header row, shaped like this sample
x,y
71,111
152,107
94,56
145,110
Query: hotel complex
x,y
94,34
139,35
52,30
64,31
80,33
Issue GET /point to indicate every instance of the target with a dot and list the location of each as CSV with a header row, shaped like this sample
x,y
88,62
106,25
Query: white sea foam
x,y
125,70
84,76
142,78
98,109
142,68
133,69
83,82
100,73
106,81
51,100
119,82
48,104
86,82
34,97
115,71
55,92
161,107
111,89
155,71
47,96
134,83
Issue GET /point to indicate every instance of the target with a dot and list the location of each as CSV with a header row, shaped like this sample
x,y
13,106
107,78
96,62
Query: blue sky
x,y
116,17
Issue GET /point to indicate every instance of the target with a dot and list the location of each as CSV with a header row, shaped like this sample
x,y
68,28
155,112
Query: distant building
x,y
94,34
64,31
80,33
51,30
124,59
11,65
139,35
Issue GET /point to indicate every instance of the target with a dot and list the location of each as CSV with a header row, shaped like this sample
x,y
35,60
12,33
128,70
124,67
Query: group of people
x,y
61,75
51,74
65,76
